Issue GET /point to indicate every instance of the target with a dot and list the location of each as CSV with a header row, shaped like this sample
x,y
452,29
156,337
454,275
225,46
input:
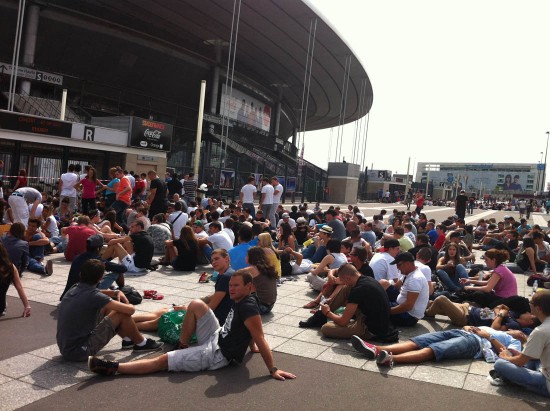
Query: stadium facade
x,y
133,72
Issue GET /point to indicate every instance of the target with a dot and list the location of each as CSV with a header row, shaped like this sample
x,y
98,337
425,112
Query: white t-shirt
x,y
132,180
178,224
220,240
415,283
248,191
230,233
202,234
424,269
290,221
277,197
51,226
68,180
38,211
268,191
381,267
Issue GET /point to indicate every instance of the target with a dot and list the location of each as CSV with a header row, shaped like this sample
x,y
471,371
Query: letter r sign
x,y
89,133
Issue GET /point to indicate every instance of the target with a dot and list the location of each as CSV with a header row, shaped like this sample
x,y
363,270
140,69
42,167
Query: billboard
x,y
246,110
150,134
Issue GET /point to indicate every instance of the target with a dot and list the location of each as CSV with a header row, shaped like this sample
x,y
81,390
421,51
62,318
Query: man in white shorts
x,y
217,346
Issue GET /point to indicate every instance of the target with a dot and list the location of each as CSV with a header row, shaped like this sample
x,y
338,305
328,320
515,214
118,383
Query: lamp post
x,y
545,155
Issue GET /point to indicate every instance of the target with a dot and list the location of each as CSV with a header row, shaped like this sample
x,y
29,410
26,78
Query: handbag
x,y
133,295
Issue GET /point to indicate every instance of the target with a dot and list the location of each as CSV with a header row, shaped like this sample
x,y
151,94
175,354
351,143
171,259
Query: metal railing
x,y
42,107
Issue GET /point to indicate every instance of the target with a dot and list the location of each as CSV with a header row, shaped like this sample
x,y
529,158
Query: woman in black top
x,y
183,251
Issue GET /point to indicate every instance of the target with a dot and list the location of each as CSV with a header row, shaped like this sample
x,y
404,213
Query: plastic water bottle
x,y
546,271
535,286
480,276
468,265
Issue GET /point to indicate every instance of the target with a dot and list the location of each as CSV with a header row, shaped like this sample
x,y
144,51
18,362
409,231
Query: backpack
x,y
133,295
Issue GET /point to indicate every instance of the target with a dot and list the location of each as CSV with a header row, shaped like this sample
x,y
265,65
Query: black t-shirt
x,y
222,284
160,194
174,186
433,262
143,249
461,201
366,270
186,259
373,302
234,336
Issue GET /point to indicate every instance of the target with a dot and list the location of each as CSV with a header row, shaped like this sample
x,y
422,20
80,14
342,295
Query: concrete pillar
x,y
29,43
278,108
216,78
343,182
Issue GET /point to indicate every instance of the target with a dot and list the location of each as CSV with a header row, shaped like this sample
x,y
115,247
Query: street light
x,y
545,156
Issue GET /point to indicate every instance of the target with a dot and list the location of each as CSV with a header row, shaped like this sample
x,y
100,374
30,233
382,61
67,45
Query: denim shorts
x,y
449,345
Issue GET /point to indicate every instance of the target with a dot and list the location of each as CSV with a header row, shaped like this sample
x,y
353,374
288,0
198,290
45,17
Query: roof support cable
x,y
365,142
357,131
330,144
345,107
229,78
363,120
341,118
307,81
15,58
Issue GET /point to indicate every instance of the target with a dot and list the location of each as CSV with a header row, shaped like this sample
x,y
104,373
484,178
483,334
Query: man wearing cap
x,y
317,251
248,194
460,204
285,218
414,293
114,271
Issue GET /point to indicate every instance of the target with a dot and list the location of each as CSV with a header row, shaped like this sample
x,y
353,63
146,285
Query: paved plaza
x,y
33,374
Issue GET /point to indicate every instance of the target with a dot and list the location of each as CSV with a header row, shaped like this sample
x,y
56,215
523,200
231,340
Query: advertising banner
x,y
36,125
291,185
149,134
246,110
227,179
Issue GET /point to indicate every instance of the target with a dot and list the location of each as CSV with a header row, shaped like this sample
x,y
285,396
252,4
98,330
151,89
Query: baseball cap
x,y
95,241
286,215
406,256
199,223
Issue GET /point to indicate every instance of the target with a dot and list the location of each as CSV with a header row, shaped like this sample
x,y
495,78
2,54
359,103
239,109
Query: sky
x,y
453,81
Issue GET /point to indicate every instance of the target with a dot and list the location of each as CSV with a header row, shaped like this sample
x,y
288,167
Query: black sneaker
x,y
102,367
49,268
150,345
370,351
127,345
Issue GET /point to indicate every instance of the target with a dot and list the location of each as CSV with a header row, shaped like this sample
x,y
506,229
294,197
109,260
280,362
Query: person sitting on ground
x,y
286,236
381,261
9,275
469,342
217,347
238,253
522,368
264,278
499,318
220,301
88,318
182,253
405,243
358,241
423,241
135,251
453,237
501,284
316,251
543,248
105,230
37,241
364,299
76,237
114,271
441,237
332,261
216,239
451,268
527,257
178,219
481,229
413,297
421,262
63,213
16,247
160,232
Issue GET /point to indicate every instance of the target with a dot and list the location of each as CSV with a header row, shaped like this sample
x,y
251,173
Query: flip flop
x,y
148,294
157,297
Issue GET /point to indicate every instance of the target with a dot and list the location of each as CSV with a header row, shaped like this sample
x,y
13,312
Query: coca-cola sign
x,y
150,134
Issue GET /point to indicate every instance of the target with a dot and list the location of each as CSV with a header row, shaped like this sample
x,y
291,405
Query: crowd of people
x,y
370,275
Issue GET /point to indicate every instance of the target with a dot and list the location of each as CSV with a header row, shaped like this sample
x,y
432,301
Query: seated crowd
x,y
370,276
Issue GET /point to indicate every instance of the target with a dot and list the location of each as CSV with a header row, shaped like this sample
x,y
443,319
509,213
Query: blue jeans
x,y
452,283
107,280
36,251
402,319
251,208
527,377
313,254
450,344
207,250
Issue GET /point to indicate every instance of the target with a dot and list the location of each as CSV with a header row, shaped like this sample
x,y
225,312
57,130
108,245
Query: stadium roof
x,y
161,47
